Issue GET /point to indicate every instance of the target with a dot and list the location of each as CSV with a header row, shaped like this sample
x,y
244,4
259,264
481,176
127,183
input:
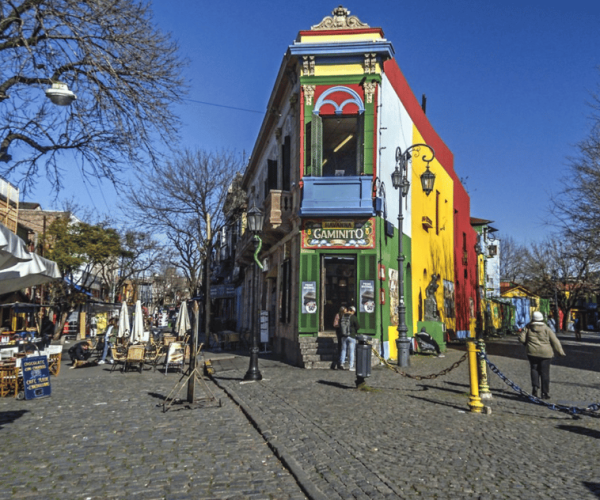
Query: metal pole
x,y
402,342
484,388
253,372
475,403
191,389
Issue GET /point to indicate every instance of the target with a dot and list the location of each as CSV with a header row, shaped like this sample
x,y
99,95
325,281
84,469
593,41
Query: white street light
x,y
60,94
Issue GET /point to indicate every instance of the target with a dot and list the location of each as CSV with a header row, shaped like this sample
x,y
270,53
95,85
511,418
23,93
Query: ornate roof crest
x,y
341,20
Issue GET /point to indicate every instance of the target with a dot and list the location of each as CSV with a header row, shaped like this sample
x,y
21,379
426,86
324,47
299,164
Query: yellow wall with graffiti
x,y
432,234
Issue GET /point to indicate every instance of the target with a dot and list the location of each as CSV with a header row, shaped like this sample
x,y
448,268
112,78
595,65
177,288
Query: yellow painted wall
x,y
431,252
392,336
517,292
348,37
342,69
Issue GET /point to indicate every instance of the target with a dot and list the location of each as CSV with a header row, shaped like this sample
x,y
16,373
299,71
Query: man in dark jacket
x,y
349,326
80,353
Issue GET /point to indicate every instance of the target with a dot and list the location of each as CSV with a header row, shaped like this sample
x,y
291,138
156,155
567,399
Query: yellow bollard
x,y
484,388
475,403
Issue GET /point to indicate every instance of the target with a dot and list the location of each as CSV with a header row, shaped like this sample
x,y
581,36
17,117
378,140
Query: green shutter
x,y
309,271
308,149
317,146
367,270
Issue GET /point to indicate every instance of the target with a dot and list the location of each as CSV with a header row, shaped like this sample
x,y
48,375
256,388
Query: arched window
x,y
336,134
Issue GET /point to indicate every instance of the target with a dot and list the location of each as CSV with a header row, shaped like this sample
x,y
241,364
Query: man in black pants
x,y
541,343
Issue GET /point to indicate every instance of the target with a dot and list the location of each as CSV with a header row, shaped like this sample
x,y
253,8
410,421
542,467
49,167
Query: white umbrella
x,y
36,271
137,332
123,321
183,321
12,248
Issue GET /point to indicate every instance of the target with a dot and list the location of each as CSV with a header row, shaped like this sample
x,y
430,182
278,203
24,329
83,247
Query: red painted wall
x,y
465,287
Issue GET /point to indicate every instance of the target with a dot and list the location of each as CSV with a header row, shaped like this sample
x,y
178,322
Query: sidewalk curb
x,y
280,451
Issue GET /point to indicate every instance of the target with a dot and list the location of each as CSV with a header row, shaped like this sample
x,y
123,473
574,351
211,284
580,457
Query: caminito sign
x,y
338,233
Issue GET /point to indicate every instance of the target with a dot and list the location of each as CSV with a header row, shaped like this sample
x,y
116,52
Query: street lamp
x,y
255,219
60,94
400,181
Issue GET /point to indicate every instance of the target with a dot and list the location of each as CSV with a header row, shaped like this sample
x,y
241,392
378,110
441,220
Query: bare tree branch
x,y
126,75
179,198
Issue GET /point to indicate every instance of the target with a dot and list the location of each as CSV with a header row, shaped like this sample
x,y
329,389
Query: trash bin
x,y
363,356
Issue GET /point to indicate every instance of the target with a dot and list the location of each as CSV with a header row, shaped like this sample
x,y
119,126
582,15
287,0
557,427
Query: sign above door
x,y
338,233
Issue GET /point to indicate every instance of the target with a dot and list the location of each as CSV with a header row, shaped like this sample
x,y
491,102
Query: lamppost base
x,y
253,376
403,347
253,372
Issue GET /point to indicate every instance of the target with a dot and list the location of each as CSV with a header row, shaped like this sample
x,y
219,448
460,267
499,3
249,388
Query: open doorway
x,y
339,287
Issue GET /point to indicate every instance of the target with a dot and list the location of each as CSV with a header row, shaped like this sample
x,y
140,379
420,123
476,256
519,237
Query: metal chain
x,y
419,377
573,410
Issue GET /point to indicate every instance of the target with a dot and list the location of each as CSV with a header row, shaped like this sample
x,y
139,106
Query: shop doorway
x,y
338,279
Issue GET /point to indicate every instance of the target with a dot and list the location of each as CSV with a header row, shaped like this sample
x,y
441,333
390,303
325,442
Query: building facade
x,y
321,171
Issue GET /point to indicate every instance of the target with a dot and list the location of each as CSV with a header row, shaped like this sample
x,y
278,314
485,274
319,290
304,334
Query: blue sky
x,y
506,82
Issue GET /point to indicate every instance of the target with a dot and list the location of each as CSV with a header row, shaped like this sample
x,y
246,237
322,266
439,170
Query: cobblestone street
x,y
308,433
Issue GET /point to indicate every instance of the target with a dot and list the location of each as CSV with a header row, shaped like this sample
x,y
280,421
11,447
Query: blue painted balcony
x,y
349,196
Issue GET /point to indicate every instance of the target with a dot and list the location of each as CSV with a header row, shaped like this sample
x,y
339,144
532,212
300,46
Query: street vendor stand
x,y
19,319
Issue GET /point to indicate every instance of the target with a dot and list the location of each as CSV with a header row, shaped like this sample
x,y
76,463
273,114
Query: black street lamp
x,y
255,219
400,181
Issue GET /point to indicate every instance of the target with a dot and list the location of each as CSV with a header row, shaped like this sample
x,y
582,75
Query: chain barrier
x,y
419,377
573,410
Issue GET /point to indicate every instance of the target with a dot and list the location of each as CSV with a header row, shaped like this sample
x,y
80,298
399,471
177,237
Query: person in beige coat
x,y
541,343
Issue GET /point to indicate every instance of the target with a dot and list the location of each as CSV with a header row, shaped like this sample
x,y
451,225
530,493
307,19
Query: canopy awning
x,y
12,249
36,271
77,287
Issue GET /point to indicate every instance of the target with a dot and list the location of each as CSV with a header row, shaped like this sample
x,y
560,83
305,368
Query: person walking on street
x,y
578,328
109,340
541,343
338,332
349,326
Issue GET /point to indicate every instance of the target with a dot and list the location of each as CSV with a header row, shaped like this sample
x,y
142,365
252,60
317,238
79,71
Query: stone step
x,y
319,357
318,349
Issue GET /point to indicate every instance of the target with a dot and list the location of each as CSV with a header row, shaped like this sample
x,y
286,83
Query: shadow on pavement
x,y
584,431
442,403
593,487
445,389
157,396
8,417
335,384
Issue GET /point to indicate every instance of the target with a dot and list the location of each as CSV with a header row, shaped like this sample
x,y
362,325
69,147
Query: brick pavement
x,y
416,439
103,435
309,433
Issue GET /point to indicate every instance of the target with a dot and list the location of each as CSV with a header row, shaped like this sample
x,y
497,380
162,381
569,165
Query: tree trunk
x,y
60,325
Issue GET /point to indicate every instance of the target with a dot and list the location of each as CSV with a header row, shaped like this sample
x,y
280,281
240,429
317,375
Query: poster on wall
x,y
393,281
264,327
309,297
449,298
367,296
